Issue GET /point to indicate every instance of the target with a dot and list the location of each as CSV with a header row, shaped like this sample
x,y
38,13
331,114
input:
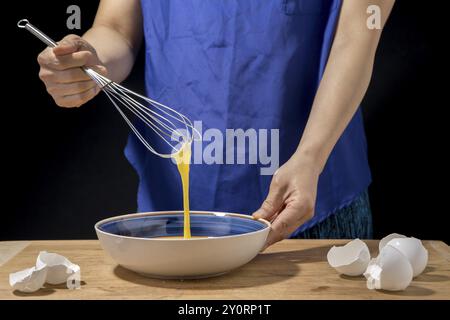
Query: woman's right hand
x,y
62,75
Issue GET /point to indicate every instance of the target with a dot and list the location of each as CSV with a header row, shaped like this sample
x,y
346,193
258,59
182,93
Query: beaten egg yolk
x,y
183,160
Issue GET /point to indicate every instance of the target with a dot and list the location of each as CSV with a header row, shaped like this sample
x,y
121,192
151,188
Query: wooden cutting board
x,y
292,269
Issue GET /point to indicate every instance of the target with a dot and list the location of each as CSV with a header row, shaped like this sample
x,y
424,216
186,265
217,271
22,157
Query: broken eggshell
x,y
59,267
351,259
28,280
383,242
414,250
391,270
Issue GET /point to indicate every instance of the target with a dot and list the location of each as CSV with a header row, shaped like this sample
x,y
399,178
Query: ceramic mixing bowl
x,y
152,244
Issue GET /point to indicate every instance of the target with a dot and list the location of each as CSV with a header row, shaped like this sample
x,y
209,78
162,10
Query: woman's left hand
x,y
291,199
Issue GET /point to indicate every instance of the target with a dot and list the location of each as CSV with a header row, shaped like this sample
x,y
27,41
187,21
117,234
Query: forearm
x,y
116,35
113,50
338,97
343,85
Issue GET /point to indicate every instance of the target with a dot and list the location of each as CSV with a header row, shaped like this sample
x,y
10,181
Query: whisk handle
x,y
25,24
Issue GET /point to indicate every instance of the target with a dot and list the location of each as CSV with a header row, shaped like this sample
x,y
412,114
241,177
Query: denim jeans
x,y
352,221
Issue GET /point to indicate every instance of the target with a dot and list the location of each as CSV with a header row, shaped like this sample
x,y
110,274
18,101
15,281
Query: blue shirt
x,y
242,64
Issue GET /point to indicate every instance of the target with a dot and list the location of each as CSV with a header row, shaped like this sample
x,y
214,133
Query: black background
x,y
63,170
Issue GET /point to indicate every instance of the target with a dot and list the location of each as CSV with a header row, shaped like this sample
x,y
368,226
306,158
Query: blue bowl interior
x,y
170,225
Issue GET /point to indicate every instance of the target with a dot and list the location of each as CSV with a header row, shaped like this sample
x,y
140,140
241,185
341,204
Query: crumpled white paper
x,y
50,268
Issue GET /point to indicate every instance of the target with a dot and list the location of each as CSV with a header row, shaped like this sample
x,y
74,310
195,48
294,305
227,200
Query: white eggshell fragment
x,y
383,242
59,267
414,250
391,271
28,280
351,259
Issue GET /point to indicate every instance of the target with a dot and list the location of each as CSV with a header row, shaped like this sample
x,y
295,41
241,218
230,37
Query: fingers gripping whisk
x,y
168,124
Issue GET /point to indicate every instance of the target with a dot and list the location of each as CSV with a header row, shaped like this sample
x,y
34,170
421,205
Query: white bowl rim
x,y
154,213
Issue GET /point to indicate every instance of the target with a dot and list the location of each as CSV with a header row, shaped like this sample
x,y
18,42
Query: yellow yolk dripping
x,y
183,160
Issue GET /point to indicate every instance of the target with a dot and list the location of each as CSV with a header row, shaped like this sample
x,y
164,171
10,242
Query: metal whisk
x,y
170,125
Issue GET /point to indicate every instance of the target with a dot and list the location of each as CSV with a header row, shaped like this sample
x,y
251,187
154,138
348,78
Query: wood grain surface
x,y
292,269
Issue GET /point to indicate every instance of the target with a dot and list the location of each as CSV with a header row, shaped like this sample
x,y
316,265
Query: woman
x,y
300,66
